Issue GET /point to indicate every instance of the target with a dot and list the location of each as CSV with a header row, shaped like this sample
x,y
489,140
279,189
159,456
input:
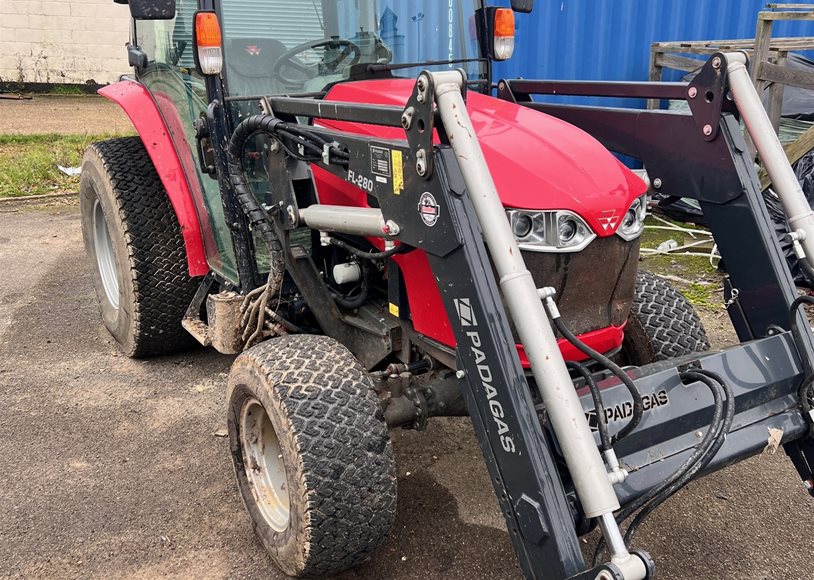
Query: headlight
x,y
549,231
633,223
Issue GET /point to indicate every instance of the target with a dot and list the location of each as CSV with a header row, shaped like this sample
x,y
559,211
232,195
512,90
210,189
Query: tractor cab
x,y
208,62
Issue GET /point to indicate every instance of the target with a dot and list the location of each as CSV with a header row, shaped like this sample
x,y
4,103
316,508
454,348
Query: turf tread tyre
x,y
662,323
335,445
155,286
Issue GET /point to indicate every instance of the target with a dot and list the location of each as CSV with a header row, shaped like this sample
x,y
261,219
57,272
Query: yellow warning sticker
x,y
394,310
398,175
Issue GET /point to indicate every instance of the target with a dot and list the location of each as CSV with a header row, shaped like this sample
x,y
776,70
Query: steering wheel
x,y
287,60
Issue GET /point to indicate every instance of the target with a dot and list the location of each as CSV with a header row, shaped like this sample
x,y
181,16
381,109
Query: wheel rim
x,y
263,465
105,258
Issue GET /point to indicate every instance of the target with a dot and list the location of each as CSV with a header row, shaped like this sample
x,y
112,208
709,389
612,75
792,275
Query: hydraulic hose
x,y
400,249
805,265
718,428
638,404
599,407
705,451
359,300
806,393
258,218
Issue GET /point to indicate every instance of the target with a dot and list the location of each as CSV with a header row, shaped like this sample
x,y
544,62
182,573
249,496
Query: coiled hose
x,y
703,454
257,216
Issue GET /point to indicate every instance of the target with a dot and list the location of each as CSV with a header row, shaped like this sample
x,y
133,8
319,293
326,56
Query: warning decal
x,y
398,172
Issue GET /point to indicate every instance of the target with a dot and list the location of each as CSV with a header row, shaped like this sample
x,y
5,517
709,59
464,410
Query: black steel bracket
x,y
706,96
418,121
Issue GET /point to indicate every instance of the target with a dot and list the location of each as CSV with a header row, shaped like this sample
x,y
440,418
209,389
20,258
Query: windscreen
x,y
303,46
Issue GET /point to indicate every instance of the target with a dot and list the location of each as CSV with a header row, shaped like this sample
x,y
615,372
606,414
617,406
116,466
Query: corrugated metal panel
x,y
610,39
292,23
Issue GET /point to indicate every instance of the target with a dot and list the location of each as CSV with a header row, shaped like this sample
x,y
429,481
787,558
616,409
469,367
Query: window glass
x,y
289,46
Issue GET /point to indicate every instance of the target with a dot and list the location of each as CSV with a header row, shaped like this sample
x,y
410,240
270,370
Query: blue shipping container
x,y
610,39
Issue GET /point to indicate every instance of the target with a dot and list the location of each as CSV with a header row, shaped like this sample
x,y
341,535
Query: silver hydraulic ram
x,y
356,221
587,470
795,205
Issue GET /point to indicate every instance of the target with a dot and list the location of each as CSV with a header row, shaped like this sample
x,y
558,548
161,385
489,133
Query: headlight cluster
x,y
565,231
633,223
549,231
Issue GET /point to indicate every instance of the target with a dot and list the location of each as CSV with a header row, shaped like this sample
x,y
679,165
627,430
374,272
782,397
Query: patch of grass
x,y
66,90
690,267
28,163
701,295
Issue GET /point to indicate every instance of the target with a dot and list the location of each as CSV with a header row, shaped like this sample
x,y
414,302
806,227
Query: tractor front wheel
x,y
137,252
662,324
312,454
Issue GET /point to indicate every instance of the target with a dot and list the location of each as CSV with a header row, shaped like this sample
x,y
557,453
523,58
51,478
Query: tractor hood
x,y
537,161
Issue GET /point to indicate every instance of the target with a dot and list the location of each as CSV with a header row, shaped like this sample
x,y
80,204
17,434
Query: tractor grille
x,y
594,286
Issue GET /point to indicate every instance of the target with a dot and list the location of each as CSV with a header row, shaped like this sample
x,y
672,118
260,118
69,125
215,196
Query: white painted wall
x,y
63,41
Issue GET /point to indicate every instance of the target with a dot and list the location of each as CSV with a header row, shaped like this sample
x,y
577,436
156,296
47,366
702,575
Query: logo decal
x,y
465,314
625,410
484,380
609,220
428,209
253,50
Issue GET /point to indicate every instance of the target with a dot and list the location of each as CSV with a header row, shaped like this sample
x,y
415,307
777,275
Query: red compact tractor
x,y
339,192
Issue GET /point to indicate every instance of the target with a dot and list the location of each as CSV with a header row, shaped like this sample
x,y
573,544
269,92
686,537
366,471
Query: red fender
x,y
140,107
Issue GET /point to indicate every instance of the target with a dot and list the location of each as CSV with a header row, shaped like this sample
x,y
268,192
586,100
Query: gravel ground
x,y
109,467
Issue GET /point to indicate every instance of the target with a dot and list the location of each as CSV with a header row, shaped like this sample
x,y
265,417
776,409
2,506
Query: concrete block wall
x,y
63,41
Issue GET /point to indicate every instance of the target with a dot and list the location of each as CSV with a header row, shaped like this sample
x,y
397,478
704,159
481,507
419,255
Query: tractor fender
x,y
139,106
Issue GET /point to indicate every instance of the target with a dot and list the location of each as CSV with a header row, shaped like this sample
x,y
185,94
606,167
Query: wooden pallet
x,y
768,57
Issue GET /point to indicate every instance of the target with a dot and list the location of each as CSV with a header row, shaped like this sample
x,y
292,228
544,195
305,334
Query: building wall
x,y
63,41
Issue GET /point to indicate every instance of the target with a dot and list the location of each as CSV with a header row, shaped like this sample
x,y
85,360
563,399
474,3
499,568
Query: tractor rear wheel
x,y
137,253
312,454
662,324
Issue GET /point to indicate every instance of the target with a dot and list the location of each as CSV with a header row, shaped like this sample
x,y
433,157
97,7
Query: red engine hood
x,y
537,161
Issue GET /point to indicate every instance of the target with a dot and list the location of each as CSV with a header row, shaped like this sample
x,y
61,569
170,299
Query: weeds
x,y
28,163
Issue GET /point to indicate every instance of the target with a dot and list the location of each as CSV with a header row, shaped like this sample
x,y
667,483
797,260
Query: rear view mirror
x,y
522,5
151,9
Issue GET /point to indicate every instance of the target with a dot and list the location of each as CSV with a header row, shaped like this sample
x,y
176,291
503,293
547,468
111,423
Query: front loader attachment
x,y
540,436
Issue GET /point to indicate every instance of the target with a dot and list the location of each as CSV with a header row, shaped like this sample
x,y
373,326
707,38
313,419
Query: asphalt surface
x,y
110,468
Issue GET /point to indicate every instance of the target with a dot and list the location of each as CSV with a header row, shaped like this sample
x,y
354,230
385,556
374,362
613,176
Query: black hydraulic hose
x,y
638,404
720,430
807,387
258,218
699,458
359,300
805,265
400,249
599,407
700,450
